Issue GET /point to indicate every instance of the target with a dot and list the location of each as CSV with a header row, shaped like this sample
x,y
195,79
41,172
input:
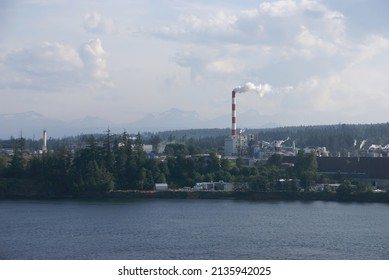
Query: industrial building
x,y
374,170
213,186
371,165
238,145
249,146
161,187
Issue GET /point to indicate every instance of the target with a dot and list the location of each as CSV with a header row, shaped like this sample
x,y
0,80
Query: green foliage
x,y
118,162
3,165
18,162
305,168
176,149
344,190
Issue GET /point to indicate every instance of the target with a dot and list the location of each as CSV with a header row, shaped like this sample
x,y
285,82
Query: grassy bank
x,y
26,188
253,196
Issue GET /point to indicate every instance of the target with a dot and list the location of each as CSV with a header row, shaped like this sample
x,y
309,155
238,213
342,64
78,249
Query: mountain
x,y
31,124
27,124
169,120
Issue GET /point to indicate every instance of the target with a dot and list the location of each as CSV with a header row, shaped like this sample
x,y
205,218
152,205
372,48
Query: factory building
x,y
238,145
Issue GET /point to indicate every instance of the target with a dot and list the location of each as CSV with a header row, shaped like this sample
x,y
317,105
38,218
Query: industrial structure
x,y
250,146
44,146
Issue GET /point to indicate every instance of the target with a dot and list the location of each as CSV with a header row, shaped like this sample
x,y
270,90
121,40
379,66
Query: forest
x,y
107,162
119,163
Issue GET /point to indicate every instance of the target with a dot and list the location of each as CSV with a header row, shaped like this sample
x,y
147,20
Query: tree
x,y
55,170
155,140
176,149
344,190
275,160
109,157
306,169
18,162
97,178
3,165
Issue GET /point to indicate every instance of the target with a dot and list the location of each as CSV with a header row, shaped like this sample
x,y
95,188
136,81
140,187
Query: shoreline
x,y
368,197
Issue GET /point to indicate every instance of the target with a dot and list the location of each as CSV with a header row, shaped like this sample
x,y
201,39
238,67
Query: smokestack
x,y
260,89
44,148
233,113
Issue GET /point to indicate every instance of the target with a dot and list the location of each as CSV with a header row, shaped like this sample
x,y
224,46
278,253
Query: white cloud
x,y
280,8
249,13
54,65
357,87
49,58
201,29
219,22
225,66
330,21
311,43
200,49
94,57
96,23
194,62
375,45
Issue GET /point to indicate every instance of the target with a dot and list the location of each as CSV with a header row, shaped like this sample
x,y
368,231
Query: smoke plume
x,y
362,144
260,89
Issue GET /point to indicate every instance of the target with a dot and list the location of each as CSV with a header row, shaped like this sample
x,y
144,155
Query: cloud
x,y
193,27
280,8
249,13
303,43
330,23
311,44
49,58
276,23
53,65
225,66
94,57
220,22
375,45
187,59
355,88
96,23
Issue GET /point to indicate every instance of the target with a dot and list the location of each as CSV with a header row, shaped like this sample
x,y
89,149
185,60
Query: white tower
x,y
44,147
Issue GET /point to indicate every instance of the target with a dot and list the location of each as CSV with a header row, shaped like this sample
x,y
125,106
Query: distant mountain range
x,y
31,124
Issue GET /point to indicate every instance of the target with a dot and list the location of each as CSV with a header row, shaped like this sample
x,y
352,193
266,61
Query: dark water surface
x,y
192,229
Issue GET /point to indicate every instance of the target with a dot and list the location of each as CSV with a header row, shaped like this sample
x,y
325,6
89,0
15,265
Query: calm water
x,y
192,229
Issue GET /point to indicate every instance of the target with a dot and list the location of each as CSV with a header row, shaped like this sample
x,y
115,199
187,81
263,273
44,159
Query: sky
x,y
320,61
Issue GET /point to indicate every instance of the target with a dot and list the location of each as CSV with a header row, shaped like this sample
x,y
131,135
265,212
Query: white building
x,y
213,186
161,187
237,145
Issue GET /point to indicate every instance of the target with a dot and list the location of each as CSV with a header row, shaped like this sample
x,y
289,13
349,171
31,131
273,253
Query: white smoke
x,y
260,89
362,144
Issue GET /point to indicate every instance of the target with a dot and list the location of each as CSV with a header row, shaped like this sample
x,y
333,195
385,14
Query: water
x,y
192,229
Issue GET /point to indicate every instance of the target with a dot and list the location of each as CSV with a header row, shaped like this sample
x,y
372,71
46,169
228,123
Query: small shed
x,y
161,187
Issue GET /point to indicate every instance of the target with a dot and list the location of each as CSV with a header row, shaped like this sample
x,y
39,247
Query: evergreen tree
x,y
18,162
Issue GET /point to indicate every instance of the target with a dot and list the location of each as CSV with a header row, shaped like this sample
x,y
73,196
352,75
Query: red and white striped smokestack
x,y
233,113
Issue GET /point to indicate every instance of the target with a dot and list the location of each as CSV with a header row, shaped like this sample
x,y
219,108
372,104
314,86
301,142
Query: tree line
x,y
337,138
118,162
